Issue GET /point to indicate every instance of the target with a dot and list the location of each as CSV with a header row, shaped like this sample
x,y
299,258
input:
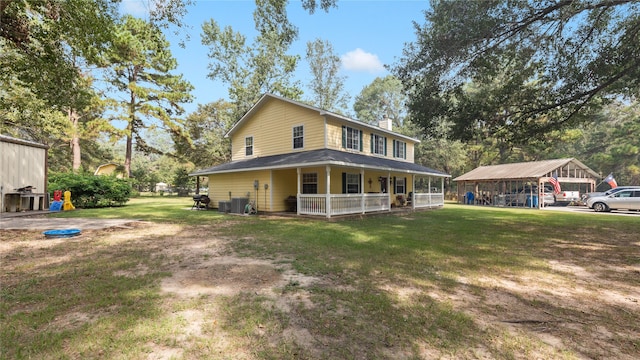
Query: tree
x,y
263,66
207,127
139,69
382,98
326,86
552,63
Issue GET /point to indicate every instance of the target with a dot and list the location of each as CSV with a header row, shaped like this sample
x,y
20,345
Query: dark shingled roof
x,y
319,157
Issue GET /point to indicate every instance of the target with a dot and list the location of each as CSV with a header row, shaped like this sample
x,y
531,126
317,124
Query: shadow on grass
x,y
56,306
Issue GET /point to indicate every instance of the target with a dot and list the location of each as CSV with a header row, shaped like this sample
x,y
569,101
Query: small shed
x,y
110,169
23,175
492,184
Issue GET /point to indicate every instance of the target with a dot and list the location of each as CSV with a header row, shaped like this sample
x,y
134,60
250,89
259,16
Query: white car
x,y
628,199
586,196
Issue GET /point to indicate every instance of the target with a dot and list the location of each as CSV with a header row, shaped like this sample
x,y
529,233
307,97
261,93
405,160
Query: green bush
x,y
91,191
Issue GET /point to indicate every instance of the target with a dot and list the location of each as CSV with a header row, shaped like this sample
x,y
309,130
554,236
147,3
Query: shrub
x,y
90,191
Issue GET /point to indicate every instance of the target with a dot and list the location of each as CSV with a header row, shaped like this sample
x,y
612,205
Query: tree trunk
x,y
75,140
127,156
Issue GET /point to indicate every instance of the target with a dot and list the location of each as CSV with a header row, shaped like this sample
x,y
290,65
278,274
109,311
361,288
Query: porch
x,y
344,204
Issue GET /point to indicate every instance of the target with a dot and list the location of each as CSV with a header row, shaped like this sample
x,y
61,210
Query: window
x,y
248,146
310,183
399,149
400,185
351,138
378,144
353,183
298,137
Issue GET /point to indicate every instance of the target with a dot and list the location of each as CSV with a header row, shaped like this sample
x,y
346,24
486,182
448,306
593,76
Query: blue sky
x,y
366,35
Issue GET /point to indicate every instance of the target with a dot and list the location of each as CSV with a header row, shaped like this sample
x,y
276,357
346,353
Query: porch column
x,y
362,191
327,198
540,194
389,190
413,191
298,171
429,192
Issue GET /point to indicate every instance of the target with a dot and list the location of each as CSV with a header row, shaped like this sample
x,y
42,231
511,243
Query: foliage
x,y
382,98
251,70
140,65
182,182
327,87
537,66
90,191
611,144
208,126
45,39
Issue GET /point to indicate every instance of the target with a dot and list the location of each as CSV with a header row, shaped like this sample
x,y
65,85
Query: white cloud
x,y
360,60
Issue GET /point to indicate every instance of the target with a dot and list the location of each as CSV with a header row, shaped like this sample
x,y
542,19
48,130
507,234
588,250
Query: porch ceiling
x,y
319,158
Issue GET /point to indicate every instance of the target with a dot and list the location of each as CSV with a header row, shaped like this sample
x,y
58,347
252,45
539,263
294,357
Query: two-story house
x,y
289,156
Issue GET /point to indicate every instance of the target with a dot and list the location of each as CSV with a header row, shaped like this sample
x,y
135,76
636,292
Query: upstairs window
x,y
351,138
298,137
248,146
399,149
378,144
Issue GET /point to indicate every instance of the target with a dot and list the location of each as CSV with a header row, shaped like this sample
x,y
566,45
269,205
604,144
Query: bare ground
x,y
587,303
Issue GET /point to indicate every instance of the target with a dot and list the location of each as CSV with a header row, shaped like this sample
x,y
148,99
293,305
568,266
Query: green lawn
x,y
458,282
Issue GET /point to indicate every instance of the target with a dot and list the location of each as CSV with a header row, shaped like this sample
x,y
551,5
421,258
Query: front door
x,y
383,185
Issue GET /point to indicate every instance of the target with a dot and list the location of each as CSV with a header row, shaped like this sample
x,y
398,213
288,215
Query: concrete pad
x,y
43,223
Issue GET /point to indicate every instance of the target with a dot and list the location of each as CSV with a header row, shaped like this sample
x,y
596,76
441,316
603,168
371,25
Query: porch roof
x,y
319,158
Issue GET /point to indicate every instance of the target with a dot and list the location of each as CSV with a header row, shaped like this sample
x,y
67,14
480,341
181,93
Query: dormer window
x,y
298,137
351,138
248,146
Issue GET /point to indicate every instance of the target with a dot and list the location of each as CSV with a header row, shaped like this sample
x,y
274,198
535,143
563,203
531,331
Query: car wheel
x,y
600,207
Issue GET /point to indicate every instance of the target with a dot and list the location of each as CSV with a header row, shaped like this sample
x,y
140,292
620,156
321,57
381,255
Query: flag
x,y
556,184
611,181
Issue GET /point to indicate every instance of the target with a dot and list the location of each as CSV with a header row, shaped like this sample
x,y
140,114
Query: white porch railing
x,y
342,204
428,200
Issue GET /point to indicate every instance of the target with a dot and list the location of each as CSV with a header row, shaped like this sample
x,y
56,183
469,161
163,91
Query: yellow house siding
x,y
272,130
284,185
334,140
224,187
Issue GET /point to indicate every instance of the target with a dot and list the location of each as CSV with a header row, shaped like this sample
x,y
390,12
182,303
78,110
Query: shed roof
x,y
9,139
319,157
522,170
